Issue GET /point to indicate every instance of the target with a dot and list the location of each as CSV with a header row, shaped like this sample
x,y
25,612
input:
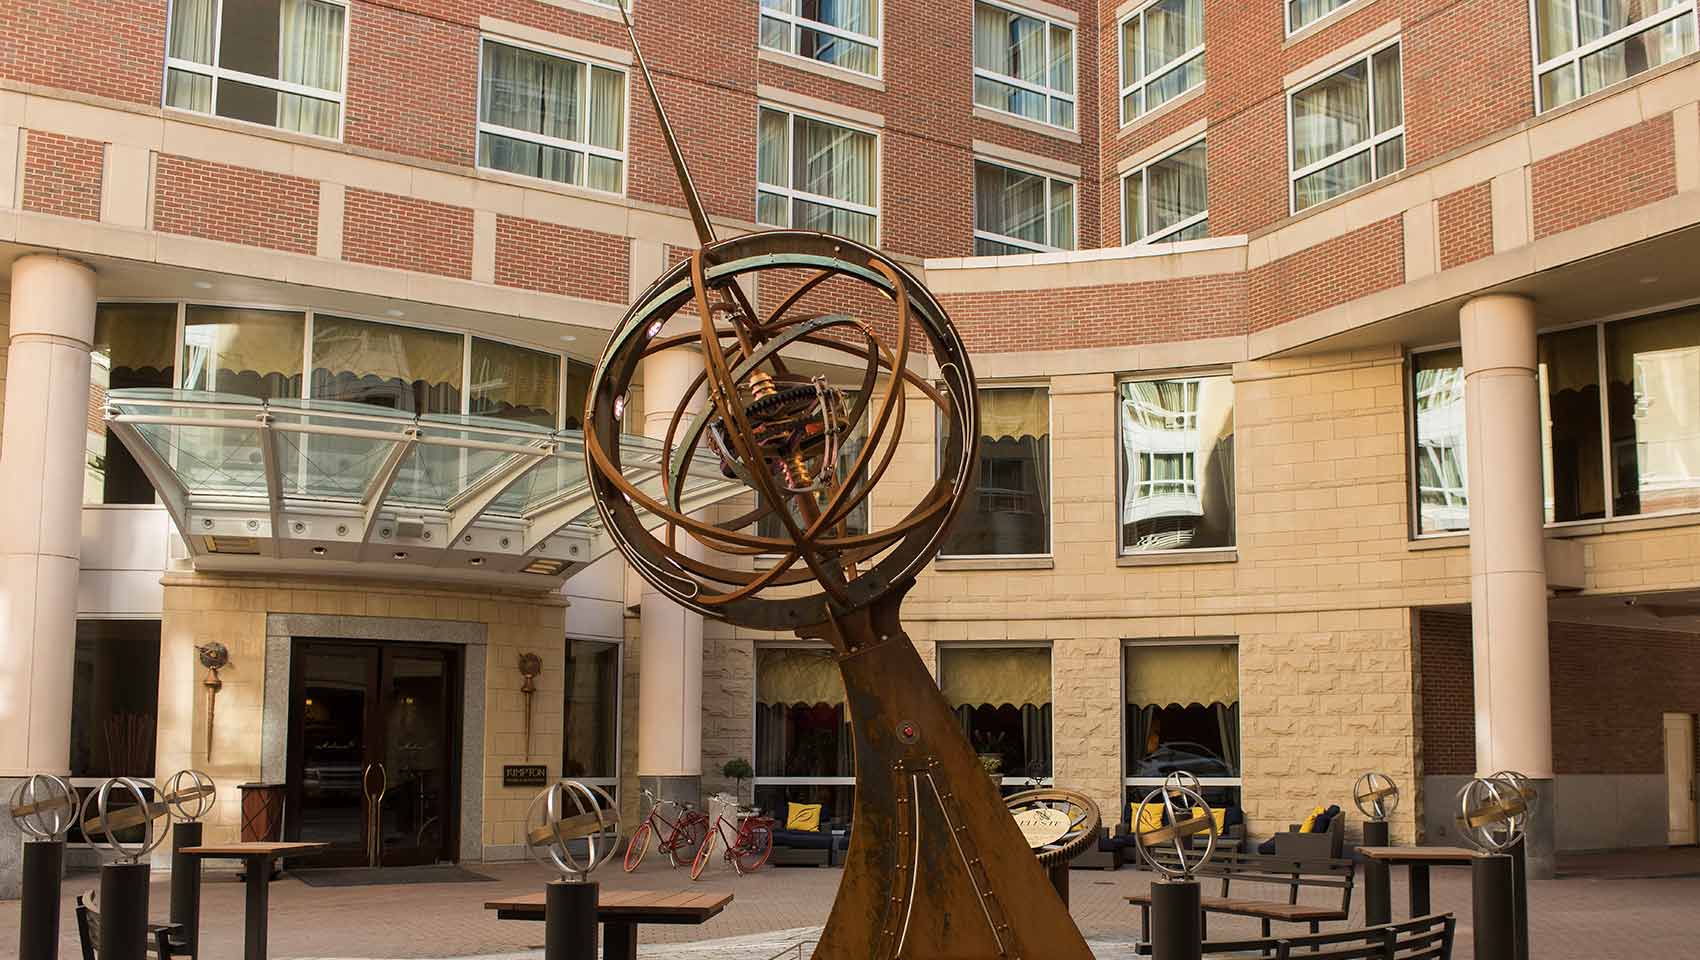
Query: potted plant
x,y
739,770
991,748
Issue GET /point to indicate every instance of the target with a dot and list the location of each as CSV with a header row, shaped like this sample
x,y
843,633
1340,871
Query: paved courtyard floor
x,y
1642,905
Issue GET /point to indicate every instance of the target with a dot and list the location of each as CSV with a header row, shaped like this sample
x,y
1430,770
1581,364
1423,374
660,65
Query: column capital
x,y
53,295
1497,330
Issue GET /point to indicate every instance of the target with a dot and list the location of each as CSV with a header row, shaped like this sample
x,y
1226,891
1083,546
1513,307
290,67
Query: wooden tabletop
x,y
251,849
630,906
1458,855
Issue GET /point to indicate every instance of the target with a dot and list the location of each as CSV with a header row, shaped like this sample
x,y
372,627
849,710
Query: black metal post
x,y
1520,890
1417,874
124,911
38,928
569,921
1376,833
1378,892
1495,920
186,884
1176,930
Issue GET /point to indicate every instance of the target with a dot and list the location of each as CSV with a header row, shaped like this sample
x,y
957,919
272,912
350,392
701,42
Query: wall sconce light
x,y
215,657
530,665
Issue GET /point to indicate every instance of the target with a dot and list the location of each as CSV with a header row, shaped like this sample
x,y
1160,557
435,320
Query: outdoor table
x,y
256,857
1378,893
620,912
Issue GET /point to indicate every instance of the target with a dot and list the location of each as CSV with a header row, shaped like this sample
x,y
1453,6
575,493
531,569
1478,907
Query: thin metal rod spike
x,y
705,230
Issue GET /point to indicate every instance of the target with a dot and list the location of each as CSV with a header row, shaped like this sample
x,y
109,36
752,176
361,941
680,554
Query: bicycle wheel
x,y
688,835
703,853
755,845
638,846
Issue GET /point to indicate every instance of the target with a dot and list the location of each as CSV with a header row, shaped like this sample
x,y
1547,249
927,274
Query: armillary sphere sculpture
x,y
1376,795
569,811
44,807
1191,818
1492,812
190,794
109,822
936,867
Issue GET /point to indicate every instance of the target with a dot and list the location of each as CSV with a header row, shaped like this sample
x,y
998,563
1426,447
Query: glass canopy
x,y
302,480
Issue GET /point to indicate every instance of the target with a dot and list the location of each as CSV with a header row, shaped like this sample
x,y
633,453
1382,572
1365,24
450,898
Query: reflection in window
x,y
1023,65
1002,699
115,698
578,392
844,33
133,344
1016,211
590,723
1443,501
384,365
1348,128
857,521
1010,511
1587,45
279,62
1183,710
552,117
816,175
1167,199
1570,425
1177,439
804,752
1653,368
254,353
1162,55
514,383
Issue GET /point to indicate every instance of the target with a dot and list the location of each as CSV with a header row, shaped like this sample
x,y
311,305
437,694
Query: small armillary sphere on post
x,y
1376,795
1185,815
1492,812
190,794
933,838
112,823
569,811
44,807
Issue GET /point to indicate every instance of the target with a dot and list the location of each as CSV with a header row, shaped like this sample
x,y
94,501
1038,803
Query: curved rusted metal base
x,y
937,869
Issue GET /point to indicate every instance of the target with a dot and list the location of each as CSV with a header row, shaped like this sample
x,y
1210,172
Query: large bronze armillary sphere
x,y
936,867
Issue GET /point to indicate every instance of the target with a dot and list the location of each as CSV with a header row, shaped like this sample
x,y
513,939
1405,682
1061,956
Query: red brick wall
x,y
385,230
234,204
1620,172
1215,306
1607,700
412,84
1335,271
563,260
110,48
62,175
1466,225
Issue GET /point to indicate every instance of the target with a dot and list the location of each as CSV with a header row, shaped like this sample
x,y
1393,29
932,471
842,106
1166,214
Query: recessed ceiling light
x,y
568,338
202,285
318,551
476,561
400,554
393,312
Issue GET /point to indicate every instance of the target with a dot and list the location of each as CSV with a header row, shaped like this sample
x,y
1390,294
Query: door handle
x,y
374,787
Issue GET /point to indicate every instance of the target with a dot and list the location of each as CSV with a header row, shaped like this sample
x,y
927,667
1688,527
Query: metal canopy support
x,y
465,509
384,479
271,460
547,522
159,473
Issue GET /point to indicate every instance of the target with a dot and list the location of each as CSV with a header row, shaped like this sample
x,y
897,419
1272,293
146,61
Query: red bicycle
x,y
682,836
749,845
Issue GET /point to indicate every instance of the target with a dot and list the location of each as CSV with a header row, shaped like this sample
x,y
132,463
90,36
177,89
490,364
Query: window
x,y
817,175
1167,199
385,365
1582,46
115,698
856,522
276,62
1182,712
590,721
1573,478
1348,128
1023,64
1001,696
1162,55
1177,463
514,383
254,353
1303,13
1653,387
804,751
1442,465
1010,512
1017,211
843,33
552,117
133,345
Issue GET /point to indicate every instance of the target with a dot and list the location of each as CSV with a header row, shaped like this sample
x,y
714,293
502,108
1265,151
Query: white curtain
x,y
836,162
991,40
1010,202
860,16
1178,188
1331,115
1555,21
1308,11
607,125
1062,215
192,40
540,94
310,54
1172,27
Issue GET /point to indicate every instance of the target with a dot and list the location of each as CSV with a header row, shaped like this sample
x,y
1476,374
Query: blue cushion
x,y
803,839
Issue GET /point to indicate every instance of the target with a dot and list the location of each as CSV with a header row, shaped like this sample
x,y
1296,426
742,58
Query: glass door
x,y
415,706
334,709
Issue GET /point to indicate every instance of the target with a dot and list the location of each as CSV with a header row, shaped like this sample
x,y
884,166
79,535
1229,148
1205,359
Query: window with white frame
x,y
804,750
1162,54
1303,13
1182,712
1582,46
275,62
815,174
1177,463
1001,696
843,33
1168,198
552,117
1019,211
1024,64
1009,512
1348,128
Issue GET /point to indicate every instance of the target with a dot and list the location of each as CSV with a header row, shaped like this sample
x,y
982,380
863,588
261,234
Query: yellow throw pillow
x,y
1217,814
1309,826
802,816
1145,816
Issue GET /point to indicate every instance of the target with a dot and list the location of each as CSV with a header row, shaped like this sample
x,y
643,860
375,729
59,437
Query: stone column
x,y
670,652
41,502
1508,582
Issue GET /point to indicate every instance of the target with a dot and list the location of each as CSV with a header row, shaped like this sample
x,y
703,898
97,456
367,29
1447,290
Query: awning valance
x,y
1162,674
1015,412
995,675
789,675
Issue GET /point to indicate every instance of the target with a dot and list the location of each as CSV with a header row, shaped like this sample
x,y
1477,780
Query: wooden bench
x,y
621,911
1425,938
164,940
1295,875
